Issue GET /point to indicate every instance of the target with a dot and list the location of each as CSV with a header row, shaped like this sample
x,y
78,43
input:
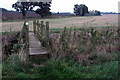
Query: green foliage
x,y
11,32
0,70
13,65
16,47
55,31
62,69
21,75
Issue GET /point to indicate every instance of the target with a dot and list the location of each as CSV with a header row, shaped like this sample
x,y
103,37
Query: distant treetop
x,y
3,9
80,10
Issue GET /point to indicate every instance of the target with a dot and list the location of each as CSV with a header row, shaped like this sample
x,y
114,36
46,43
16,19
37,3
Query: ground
x,y
104,20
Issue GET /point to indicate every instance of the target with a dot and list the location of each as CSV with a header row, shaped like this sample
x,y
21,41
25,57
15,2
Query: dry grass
x,y
84,21
104,20
86,46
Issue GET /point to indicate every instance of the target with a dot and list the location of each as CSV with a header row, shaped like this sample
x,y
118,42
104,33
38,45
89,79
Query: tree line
x,y
43,8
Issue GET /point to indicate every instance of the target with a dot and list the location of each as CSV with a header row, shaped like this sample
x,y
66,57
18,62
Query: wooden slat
x,y
35,47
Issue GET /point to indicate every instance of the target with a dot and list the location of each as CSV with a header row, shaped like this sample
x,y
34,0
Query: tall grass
x,y
75,53
57,69
93,45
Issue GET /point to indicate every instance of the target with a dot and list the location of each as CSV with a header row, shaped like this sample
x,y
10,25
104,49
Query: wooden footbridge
x,y
37,40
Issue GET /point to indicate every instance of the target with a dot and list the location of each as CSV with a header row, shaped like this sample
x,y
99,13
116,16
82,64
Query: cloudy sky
x,y
68,5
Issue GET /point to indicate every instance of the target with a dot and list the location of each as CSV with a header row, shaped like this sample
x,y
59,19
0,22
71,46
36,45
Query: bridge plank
x,y
35,47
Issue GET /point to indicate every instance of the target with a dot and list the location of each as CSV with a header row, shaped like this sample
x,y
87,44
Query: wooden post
x,y
26,36
47,32
34,26
10,29
42,28
37,26
27,31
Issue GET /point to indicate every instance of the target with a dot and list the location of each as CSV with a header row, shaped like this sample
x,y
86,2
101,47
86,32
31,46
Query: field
x,y
89,21
79,47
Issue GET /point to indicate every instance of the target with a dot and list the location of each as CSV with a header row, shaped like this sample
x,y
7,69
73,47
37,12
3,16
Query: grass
x,y
0,70
34,19
68,22
64,67
58,69
58,30
78,22
82,28
12,21
11,32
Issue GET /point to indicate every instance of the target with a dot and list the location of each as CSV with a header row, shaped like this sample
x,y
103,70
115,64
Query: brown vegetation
x,y
86,45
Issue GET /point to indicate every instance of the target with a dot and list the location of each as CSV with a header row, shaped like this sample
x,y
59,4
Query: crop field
x,y
87,21
84,21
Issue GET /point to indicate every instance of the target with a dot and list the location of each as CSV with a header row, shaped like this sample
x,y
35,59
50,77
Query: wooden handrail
x,y
41,30
24,37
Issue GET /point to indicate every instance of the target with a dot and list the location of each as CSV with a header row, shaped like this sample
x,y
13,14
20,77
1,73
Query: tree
x,y
80,10
43,7
21,7
97,12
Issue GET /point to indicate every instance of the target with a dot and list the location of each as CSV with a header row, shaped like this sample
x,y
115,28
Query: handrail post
x,y
37,27
47,32
27,36
41,31
34,26
24,38
42,27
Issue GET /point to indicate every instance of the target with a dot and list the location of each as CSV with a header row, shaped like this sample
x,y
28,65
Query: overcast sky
x,y
68,5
